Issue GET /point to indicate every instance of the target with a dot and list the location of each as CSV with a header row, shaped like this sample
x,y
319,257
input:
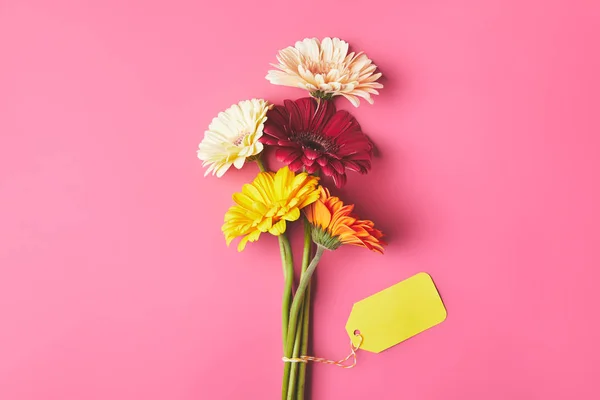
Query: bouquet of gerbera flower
x,y
318,145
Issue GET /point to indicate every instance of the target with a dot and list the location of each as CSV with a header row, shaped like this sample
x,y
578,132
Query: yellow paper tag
x,y
396,313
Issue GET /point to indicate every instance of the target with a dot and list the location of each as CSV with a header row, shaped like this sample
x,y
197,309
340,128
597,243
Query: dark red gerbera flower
x,y
312,135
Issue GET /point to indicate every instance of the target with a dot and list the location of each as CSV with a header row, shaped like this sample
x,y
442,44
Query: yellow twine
x,y
340,363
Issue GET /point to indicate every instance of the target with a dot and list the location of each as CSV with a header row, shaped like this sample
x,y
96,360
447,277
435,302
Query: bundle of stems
x,y
296,311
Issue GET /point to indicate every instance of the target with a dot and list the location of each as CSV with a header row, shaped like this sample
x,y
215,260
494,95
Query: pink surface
x,y
115,281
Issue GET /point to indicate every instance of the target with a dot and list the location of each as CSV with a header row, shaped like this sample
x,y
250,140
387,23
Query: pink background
x,y
115,281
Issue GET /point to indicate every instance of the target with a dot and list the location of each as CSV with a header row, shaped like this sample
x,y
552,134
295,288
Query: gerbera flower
x,y
313,135
233,135
267,203
325,69
334,224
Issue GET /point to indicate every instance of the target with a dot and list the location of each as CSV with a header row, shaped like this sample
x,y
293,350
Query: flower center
x,y
240,138
314,142
321,67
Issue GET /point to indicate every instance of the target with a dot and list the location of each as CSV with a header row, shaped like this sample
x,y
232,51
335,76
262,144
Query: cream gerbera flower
x,y
233,136
325,69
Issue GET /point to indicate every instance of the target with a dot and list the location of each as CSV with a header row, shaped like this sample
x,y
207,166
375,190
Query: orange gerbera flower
x,y
334,224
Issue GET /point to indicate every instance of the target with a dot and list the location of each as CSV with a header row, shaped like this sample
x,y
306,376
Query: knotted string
x,y
340,363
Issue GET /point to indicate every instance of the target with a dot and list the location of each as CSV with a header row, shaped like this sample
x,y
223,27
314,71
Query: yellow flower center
x,y
278,209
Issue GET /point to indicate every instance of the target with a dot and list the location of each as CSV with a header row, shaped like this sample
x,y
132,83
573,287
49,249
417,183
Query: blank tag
x,y
396,313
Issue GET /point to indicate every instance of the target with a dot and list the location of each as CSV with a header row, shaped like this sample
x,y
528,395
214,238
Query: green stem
x,y
288,277
294,312
305,310
298,370
261,165
291,390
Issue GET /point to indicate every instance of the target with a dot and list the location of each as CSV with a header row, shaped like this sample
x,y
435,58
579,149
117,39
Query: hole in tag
x,y
356,332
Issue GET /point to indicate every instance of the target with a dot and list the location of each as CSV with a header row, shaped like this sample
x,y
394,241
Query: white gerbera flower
x,y
233,136
325,69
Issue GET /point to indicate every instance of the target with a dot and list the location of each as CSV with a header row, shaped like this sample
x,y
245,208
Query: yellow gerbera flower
x,y
267,203
335,224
